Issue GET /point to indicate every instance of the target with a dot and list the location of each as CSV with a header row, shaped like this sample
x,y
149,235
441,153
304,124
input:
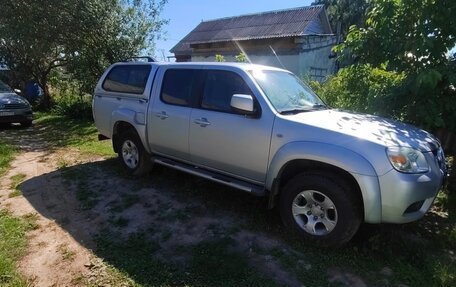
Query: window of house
x,y
218,89
177,86
129,79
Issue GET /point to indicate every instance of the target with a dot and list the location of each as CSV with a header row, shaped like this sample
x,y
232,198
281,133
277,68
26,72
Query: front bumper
x,y
18,116
407,197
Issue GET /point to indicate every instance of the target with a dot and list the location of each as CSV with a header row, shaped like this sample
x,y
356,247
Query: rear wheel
x,y
321,208
132,154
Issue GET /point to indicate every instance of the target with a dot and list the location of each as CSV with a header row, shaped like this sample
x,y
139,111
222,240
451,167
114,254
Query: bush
x,y
425,99
68,98
76,107
364,89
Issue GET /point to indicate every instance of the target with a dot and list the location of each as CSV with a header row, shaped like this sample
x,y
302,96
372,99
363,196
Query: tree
x,y
345,12
414,37
83,36
405,34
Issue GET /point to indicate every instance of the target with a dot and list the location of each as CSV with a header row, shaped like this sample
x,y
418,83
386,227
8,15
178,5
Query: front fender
x,y
134,119
337,156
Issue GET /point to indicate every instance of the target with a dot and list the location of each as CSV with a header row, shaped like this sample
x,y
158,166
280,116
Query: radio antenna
x,y
277,57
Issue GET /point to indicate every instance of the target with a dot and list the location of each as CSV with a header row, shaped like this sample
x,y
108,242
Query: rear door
x,y
224,140
169,115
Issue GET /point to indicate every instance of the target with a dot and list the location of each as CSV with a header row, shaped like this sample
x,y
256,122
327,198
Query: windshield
x,y
4,87
286,92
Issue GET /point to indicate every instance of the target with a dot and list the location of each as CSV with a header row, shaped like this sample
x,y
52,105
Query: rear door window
x,y
130,79
178,86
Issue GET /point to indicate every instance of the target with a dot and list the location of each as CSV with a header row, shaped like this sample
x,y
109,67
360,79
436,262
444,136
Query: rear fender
x,y
137,120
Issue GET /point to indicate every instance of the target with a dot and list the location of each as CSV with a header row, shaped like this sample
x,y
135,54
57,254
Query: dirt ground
x,y
77,198
61,249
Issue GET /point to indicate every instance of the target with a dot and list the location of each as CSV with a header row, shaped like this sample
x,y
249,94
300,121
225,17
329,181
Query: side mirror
x,y
17,91
243,103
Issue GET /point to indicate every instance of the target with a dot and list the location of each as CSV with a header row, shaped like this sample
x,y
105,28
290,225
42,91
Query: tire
x,y
26,124
321,208
134,158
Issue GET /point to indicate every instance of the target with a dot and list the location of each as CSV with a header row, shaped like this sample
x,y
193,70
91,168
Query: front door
x,y
223,139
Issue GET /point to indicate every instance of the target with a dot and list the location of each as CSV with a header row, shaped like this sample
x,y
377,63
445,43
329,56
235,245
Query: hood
x,y
375,129
12,98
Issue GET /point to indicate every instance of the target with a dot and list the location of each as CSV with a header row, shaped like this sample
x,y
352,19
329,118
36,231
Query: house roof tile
x,y
274,24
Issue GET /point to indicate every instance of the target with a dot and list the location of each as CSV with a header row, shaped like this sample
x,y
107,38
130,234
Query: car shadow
x,y
161,220
107,211
25,138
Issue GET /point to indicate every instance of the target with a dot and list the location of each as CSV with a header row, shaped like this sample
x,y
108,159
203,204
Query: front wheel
x,y
321,208
132,154
26,124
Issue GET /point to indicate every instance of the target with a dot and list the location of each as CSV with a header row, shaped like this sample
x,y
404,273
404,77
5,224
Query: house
x,y
299,40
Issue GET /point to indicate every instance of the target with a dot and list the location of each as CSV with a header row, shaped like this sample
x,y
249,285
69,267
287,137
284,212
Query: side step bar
x,y
254,189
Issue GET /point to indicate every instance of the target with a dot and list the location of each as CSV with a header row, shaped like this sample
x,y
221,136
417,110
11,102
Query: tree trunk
x,y
46,103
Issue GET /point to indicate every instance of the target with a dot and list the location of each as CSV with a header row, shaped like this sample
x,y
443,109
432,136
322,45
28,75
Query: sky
x,y
185,15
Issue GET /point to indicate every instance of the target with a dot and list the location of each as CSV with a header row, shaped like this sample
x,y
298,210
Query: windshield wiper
x,y
294,111
319,107
303,110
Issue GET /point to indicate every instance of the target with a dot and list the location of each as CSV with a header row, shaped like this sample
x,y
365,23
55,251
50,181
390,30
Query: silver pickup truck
x,y
261,130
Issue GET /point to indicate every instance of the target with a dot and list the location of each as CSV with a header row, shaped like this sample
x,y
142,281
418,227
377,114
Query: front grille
x,y
13,106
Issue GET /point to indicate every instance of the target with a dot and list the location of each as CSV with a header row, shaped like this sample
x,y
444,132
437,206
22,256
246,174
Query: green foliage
x,y
408,35
69,99
345,12
241,58
82,36
74,107
127,28
219,58
363,88
409,38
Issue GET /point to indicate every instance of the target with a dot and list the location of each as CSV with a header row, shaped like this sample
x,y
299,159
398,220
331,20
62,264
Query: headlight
x,y
409,160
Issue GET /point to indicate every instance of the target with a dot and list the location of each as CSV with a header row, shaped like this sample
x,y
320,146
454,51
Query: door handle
x,y
162,115
203,122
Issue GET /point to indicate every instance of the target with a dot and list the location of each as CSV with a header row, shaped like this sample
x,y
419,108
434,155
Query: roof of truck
x,y
243,66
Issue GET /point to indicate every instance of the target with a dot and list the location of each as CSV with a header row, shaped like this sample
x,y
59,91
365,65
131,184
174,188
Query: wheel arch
x,y
118,128
298,157
125,119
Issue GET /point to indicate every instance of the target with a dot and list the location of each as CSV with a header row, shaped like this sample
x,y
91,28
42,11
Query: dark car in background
x,y
14,108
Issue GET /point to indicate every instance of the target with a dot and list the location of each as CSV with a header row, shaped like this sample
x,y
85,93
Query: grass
x,y
63,131
127,200
66,253
212,263
419,253
81,178
12,246
7,153
16,180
